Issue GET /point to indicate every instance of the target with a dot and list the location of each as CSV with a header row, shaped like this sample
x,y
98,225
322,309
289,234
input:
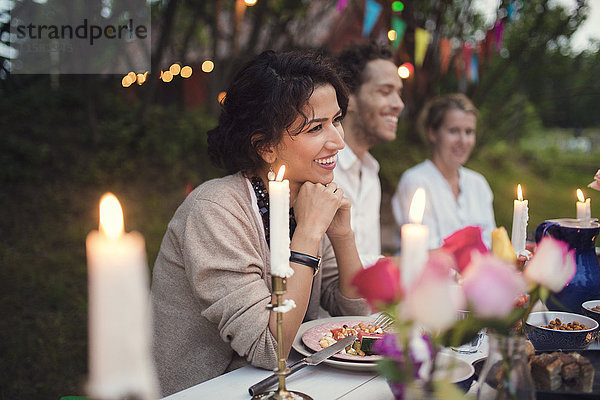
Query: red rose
x,y
379,283
462,242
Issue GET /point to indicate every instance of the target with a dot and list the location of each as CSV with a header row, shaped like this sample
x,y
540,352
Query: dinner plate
x,y
312,337
343,364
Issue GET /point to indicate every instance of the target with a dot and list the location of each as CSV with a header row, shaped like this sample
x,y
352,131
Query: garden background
x,y
65,140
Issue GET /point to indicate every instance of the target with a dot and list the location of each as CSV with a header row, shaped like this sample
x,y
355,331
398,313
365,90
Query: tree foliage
x,y
535,78
529,78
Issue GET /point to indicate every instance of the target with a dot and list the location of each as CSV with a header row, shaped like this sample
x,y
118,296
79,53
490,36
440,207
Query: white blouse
x,y
444,214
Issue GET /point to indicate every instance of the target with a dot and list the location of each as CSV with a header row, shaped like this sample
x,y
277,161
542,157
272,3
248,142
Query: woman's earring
x,y
271,174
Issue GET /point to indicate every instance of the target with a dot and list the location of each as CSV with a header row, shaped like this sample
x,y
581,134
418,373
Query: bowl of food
x,y
554,330
456,370
591,308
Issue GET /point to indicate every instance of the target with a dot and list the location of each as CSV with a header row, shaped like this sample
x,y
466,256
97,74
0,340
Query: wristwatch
x,y
305,259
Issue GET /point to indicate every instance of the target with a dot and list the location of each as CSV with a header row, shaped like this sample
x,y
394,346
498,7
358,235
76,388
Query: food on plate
x,y
366,333
557,324
327,340
367,340
596,308
560,371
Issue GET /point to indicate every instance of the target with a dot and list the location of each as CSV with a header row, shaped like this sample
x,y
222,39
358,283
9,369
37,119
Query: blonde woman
x,y
456,196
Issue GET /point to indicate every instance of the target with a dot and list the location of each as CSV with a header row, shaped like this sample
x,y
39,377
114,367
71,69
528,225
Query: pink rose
x,y
379,283
462,243
553,264
596,183
433,300
492,286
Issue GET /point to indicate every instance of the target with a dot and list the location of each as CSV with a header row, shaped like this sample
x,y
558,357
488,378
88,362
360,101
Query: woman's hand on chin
x,y
340,225
316,206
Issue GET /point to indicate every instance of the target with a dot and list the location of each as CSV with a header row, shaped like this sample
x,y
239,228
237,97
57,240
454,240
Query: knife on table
x,y
313,359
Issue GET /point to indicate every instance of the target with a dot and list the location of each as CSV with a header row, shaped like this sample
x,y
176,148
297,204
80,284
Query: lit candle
x,y
120,361
415,237
520,218
279,225
584,210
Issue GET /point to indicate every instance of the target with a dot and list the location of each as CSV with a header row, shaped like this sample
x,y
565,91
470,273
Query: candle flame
x,y
111,216
417,206
519,192
280,173
580,195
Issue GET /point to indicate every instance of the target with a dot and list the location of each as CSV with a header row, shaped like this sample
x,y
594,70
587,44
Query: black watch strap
x,y
305,259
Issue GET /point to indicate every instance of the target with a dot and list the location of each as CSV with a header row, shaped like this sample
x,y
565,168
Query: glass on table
x,y
472,346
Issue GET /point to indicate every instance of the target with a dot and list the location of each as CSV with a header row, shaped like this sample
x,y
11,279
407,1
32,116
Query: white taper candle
x,y
279,225
584,210
520,218
415,237
120,332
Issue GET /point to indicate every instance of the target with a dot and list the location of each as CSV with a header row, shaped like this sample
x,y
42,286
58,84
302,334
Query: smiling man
x,y
374,106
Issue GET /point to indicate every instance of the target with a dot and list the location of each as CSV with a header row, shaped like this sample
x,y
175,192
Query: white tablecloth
x,y
321,382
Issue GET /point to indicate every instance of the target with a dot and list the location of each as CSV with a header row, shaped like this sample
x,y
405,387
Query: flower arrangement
x,y
496,290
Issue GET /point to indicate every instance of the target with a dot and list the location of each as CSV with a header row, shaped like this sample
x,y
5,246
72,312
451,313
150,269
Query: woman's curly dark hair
x,y
263,101
353,59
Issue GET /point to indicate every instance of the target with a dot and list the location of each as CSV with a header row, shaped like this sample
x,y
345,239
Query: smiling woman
x,y
457,196
211,284
310,154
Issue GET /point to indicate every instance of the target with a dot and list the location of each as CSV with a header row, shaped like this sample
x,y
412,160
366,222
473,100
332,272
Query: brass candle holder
x,y
281,393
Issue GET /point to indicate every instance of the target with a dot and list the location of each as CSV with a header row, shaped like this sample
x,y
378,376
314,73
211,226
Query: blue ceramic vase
x,y
581,236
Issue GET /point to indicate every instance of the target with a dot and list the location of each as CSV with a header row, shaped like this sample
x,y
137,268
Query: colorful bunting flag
x,y
445,54
498,29
400,27
372,11
467,54
341,4
240,10
459,65
422,38
510,11
489,43
474,76
481,56
481,51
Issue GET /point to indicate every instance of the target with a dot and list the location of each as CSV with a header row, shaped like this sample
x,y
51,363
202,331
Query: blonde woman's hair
x,y
434,112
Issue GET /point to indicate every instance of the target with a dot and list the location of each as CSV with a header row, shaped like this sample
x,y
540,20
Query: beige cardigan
x,y
211,286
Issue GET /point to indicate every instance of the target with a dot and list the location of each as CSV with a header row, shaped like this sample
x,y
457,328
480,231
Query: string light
x,y
221,96
250,3
126,81
406,70
208,66
392,35
167,76
186,71
175,69
397,6
132,78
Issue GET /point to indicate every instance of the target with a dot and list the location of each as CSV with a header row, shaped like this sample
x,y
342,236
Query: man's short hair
x,y
353,59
